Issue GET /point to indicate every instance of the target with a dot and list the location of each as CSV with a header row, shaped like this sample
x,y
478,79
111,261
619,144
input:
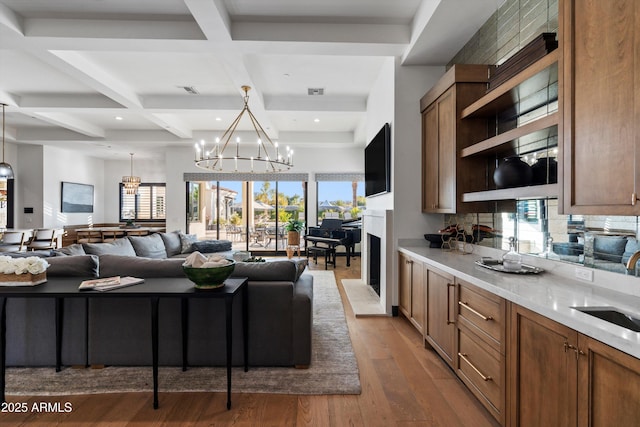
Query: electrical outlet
x,y
584,274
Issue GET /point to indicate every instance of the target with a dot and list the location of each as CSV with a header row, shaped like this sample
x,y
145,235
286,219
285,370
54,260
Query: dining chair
x,y
12,241
43,238
88,236
111,235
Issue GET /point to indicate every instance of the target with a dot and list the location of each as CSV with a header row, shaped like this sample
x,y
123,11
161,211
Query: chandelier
x,y
131,183
6,171
225,154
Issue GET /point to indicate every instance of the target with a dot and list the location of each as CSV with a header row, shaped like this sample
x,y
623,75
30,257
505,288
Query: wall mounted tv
x,y
377,163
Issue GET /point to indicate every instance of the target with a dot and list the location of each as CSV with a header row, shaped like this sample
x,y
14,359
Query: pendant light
x,y
131,182
6,171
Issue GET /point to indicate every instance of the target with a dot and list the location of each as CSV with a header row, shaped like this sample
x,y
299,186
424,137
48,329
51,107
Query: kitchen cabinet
x,y
440,330
481,321
523,118
445,176
411,290
601,80
558,376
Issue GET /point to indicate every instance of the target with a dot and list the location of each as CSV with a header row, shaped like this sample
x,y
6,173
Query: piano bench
x,y
329,255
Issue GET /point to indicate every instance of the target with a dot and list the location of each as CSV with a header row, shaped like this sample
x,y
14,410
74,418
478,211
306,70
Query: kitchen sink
x,y
612,315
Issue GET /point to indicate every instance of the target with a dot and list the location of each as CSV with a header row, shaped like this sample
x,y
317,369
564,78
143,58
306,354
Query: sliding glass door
x,y
251,214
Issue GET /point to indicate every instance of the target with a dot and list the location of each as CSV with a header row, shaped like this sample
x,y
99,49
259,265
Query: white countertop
x,y
547,294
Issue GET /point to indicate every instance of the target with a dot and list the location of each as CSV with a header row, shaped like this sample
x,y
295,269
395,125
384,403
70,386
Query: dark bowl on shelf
x,y
437,239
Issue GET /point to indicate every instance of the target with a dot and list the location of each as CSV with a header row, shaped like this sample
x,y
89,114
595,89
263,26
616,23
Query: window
x,y
147,205
340,199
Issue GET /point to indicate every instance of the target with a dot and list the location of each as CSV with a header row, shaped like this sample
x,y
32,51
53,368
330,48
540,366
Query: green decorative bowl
x,y
209,278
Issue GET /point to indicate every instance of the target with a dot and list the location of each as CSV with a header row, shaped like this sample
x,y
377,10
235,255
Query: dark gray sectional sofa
x,y
118,331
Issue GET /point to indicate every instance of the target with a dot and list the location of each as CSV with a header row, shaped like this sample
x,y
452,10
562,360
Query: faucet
x,y
631,264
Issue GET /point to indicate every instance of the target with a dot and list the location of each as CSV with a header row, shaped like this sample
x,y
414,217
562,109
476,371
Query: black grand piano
x,y
335,232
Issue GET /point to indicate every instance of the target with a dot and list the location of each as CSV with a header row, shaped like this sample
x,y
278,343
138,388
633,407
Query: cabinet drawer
x,y
482,313
482,369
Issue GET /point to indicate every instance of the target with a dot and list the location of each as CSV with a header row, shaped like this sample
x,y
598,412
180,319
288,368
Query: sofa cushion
x,y
151,246
74,249
282,270
186,240
117,247
117,265
172,244
609,248
73,265
210,246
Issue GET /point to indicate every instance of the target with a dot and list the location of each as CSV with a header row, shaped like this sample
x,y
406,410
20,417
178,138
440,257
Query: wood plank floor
x,y
403,384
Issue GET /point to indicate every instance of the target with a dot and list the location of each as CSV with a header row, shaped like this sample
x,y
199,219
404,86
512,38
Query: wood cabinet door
x,y
601,108
441,328
542,371
608,386
439,155
417,296
404,285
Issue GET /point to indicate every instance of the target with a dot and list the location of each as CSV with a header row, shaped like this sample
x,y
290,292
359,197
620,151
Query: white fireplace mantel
x,y
379,223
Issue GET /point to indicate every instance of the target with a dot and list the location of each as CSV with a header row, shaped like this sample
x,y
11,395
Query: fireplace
x,y
378,256
374,243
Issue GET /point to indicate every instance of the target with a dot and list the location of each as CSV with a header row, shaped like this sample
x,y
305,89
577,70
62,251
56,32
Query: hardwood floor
x,y
403,384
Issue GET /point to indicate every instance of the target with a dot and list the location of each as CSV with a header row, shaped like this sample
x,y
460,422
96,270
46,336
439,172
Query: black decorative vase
x,y
545,166
512,172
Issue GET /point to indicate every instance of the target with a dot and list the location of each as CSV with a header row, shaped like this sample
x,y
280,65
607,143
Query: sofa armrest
x,y
302,320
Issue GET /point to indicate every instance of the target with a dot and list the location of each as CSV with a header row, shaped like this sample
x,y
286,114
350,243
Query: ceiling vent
x,y
190,89
315,91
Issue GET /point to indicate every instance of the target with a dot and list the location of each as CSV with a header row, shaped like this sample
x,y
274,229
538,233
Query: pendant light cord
x,y
3,105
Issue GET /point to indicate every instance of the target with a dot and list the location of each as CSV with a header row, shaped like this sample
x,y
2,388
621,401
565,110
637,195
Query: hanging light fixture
x,y
6,171
131,183
222,156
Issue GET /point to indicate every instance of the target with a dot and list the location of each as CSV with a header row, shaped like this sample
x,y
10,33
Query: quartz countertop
x,y
547,294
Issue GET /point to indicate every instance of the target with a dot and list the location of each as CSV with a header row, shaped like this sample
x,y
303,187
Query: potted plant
x,y
293,228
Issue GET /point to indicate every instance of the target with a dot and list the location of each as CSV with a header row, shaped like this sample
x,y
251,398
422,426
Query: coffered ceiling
x,y
113,76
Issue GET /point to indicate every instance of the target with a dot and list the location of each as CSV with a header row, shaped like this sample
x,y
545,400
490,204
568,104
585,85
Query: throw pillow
x,y
210,246
172,243
73,265
609,248
630,248
151,246
117,247
186,240
74,249
116,265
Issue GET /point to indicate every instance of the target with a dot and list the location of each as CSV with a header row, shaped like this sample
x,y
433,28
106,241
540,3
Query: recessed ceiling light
x,y
118,118
218,119
316,120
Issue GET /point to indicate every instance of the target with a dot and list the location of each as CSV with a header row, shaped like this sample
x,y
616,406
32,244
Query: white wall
x,y
380,111
71,166
29,173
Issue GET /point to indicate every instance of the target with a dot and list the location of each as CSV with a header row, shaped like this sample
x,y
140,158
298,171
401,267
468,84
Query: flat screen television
x,y
377,163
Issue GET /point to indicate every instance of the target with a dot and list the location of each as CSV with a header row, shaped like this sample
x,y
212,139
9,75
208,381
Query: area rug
x,y
333,370
363,299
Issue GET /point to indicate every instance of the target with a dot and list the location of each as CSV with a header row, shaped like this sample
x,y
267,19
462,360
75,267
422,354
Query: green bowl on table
x,y
209,277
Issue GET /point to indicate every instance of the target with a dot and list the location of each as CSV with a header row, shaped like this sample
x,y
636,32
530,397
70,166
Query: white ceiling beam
x,y
171,123
322,32
212,17
67,102
316,103
11,20
72,123
89,73
9,98
192,102
113,29
47,134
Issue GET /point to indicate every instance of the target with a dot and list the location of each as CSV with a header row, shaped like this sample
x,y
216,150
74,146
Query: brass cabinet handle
x,y
463,356
634,199
477,313
578,352
449,322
